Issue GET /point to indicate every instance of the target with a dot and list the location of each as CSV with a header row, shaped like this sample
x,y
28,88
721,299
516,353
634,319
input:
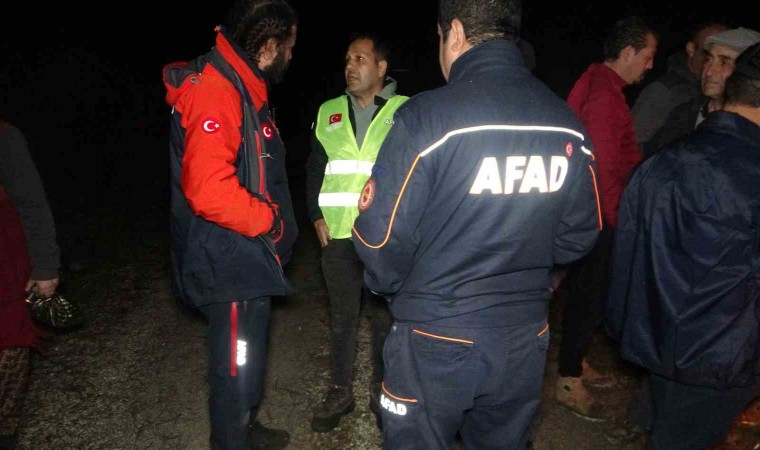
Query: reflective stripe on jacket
x,y
348,166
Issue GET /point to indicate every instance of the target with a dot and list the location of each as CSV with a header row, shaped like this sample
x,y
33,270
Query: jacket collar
x,y
601,69
736,124
245,68
497,55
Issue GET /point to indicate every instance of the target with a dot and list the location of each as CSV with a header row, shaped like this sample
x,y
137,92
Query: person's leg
x,y
380,325
639,413
237,341
342,271
430,378
14,380
509,393
582,315
694,417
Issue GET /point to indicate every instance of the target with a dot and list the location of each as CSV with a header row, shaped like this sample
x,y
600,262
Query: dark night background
x,y
84,85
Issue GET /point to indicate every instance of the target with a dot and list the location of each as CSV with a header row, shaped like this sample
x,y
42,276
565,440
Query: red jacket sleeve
x,y
212,116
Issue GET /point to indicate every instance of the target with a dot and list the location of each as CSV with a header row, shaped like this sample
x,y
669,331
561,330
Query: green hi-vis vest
x,y
348,167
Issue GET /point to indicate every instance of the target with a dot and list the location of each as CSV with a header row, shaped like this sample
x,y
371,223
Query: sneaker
x,y
375,389
337,402
595,380
623,433
571,394
750,417
263,438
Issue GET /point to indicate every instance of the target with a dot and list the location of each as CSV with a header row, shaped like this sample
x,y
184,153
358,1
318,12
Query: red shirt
x,y
598,100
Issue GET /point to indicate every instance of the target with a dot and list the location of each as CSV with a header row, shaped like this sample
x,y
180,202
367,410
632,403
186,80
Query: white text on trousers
x,y
390,405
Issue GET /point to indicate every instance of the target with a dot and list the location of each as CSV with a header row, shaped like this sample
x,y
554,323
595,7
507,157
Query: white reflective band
x,y
498,128
339,199
348,166
585,150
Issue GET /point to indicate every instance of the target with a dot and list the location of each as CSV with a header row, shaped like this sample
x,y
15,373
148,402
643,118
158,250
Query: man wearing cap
x,y
721,52
685,285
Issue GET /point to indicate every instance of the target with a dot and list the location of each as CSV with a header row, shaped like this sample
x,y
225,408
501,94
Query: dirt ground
x,y
135,376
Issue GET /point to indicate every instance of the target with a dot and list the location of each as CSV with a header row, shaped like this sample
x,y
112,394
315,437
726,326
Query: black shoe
x,y
626,432
375,389
263,438
337,402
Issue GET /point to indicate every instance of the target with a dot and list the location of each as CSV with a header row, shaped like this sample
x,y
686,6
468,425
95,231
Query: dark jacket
x,y
680,122
450,229
684,300
232,222
676,86
28,246
22,182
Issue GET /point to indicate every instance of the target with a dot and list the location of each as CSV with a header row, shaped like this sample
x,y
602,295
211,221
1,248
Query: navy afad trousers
x,y
237,342
483,383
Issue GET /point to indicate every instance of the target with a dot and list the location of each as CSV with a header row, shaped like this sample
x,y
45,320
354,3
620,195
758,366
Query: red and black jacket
x,y
232,221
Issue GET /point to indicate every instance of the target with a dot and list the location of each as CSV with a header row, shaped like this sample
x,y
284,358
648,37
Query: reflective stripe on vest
x,y
348,167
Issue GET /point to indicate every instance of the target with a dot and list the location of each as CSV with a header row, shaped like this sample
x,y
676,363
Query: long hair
x,y
252,23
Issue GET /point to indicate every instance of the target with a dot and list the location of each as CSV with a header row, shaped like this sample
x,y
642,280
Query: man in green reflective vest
x,y
347,136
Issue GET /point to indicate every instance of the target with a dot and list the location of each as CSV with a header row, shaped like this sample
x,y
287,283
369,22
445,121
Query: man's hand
x,y
43,288
323,232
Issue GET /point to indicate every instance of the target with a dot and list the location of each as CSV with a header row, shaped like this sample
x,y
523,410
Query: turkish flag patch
x,y
367,195
569,149
335,118
211,125
267,131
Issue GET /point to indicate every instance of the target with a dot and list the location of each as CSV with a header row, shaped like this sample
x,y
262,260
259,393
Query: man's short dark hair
x,y
743,86
697,29
380,46
483,20
630,30
253,22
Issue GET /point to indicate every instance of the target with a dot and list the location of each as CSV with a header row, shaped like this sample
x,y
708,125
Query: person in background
x,y
686,275
480,187
721,51
29,261
347,134
598,99
678,85
232,220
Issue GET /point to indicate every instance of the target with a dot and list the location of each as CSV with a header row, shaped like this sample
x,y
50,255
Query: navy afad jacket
x,y
685,293
479,189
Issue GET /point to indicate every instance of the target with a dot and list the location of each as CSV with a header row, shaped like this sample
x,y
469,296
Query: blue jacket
x,y
685,289
232,219
480,187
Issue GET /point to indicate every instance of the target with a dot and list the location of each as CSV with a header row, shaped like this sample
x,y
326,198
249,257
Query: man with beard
x,y
232,221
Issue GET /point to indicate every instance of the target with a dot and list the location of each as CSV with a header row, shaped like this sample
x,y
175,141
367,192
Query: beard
x,y
275,72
